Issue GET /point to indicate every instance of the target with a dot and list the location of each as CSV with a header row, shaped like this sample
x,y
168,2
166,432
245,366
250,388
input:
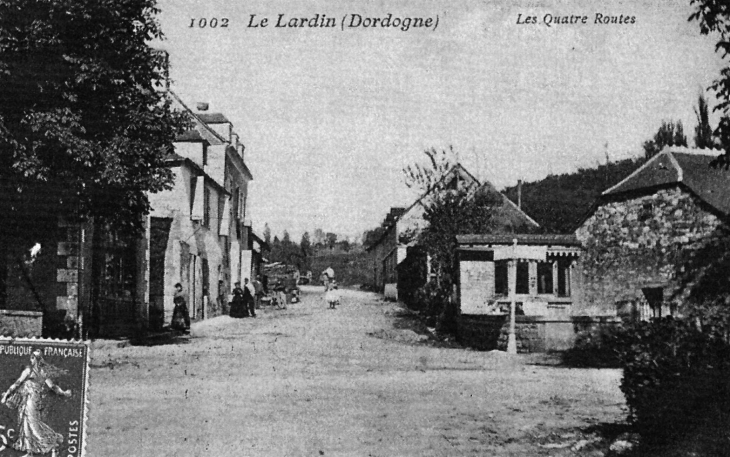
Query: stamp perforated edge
x,y
85,412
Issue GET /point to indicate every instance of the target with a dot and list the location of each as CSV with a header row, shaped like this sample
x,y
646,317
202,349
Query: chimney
x,y
202,106
240,147
519,193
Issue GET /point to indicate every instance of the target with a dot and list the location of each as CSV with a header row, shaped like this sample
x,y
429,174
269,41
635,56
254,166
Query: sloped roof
x,y
190,136
213,118
200,128
681,166
460,170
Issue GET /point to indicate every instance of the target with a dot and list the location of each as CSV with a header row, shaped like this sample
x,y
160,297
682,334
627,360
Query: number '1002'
x,y
212,22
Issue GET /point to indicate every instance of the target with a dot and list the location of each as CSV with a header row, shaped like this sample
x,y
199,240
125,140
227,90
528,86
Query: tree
x,y
713,17
319,237
703,130
330,239
370,237
306,245
267,234
424,177
669,134
449,214
85,122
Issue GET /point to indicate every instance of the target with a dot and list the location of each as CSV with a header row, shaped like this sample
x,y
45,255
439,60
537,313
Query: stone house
x,y
198,232
402,227
640,230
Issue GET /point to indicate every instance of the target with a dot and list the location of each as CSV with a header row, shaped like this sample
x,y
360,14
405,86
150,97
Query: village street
x,y
310,381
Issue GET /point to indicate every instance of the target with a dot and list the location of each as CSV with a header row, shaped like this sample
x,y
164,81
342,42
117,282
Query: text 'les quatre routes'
x,y
322,21
573,19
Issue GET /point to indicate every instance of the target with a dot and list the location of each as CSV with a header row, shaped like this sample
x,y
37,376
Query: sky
x,y
331,116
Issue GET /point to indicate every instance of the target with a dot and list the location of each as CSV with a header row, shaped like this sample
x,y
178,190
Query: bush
x,y
674,375
596,348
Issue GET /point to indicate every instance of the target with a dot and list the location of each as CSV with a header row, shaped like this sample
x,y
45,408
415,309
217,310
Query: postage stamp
x,y
43,408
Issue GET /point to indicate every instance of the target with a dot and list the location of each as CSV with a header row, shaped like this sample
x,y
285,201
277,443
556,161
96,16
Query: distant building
x,y
402,227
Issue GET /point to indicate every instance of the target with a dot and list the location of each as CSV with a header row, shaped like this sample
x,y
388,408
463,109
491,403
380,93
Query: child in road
x,y
332,296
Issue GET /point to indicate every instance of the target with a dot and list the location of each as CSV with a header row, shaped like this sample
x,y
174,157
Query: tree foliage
x,y
330,240
267,234
669,134
84,124
306,245
451,213
713,17
558,202
704,137
424,177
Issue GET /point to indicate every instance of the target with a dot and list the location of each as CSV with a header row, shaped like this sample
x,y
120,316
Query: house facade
x,y
198,236
402,228
642,230
84,278
537,270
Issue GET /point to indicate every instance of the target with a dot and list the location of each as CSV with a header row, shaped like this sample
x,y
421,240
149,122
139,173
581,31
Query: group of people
x,y
247,299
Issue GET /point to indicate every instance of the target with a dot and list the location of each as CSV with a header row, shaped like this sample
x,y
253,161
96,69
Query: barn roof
x,y
681,166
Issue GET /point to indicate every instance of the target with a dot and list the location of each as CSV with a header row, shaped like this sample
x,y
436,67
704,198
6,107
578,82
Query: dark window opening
x,y
206,207
501,286
563,278
545,277
523,278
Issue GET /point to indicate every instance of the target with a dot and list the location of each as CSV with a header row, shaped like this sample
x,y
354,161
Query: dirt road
x,y
309,381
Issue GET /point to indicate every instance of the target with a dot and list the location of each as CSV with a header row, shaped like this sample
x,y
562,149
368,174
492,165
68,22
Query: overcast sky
x,y
330,117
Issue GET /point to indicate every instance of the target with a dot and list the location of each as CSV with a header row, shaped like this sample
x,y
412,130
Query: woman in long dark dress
x,y
180,315
238,306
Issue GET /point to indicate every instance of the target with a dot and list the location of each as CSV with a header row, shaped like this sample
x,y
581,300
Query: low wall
x,y
533,333
21,323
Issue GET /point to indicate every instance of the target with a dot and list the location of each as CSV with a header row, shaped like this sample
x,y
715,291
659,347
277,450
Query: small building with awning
x,y
533,275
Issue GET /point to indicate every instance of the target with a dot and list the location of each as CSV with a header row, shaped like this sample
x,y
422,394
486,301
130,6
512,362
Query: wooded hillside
x,y
558,202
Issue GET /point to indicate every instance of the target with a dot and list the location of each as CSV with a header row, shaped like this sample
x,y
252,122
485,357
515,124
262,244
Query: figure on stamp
x,y
28,396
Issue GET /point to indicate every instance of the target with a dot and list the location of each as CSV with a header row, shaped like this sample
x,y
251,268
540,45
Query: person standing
x,y
238,309
249,294
180,315
259,288
221,297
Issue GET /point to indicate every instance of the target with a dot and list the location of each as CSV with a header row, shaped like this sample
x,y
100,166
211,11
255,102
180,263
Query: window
x,y
205,154
501,286
523,278
206,207
193,185
564,278
545,278
235,204
646,212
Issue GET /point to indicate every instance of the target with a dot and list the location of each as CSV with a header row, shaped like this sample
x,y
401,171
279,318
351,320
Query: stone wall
x,y
636,243
18,324
533,333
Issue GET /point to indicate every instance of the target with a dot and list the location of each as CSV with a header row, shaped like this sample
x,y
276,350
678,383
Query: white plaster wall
x,y
190,150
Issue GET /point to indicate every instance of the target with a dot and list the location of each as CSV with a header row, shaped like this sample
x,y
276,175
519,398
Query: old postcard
x,y
380,228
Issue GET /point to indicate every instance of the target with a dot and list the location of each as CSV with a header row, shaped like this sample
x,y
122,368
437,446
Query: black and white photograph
x,y
386,228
